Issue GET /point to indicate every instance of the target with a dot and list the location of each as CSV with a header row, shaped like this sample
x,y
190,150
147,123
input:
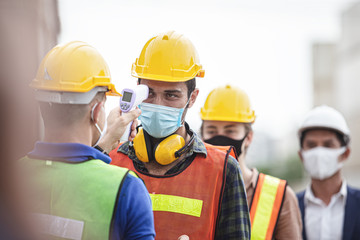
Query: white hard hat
x,y
325,117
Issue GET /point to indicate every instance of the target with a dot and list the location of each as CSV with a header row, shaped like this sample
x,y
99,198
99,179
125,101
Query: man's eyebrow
x,y
211,126
230,126
173,91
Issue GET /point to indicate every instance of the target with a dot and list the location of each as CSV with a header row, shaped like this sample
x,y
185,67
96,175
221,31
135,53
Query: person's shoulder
x,y
232,164
300,194
133,186
133,179
290,195
355,192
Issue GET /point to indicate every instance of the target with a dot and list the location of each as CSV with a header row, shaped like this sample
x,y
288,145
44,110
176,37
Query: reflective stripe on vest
x,y
176,204
186,202
58,226
73,200
266,206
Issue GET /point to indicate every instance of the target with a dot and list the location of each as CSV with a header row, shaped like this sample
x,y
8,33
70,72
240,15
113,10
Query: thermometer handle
x,y
127,132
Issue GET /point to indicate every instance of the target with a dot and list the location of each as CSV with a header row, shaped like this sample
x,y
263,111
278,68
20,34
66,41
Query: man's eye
x,y
211,132
329,145
311,145
229,131
171,95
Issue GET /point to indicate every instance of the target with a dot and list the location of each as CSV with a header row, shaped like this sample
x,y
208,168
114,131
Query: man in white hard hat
x,y
330,208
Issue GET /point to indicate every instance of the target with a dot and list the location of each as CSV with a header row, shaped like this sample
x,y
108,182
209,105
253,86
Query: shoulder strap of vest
x,y
227,149
266,205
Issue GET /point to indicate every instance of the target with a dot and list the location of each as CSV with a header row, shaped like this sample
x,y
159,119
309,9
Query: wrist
x,y
108,144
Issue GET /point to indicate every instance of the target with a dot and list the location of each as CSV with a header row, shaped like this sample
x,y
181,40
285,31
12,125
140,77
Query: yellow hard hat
x,y
228,104
75,67
168,57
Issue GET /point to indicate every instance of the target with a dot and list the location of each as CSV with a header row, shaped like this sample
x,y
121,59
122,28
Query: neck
x,y
155,168
69,134
246,171
182,132
325,189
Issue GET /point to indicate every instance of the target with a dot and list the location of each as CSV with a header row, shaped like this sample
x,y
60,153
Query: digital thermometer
x,y
130,99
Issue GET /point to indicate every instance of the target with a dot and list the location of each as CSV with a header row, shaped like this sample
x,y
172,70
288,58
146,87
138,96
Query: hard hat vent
x,y
165,37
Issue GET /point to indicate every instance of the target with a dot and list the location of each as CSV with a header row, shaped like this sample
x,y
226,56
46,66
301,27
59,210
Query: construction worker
x,y
197,191
76,194
330,208
227,121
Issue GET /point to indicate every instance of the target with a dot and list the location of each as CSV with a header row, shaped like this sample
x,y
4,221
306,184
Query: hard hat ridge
x,y
72,73
168,57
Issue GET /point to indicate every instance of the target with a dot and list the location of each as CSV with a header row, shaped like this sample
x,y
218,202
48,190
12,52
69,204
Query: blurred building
x,y
28,29
336,75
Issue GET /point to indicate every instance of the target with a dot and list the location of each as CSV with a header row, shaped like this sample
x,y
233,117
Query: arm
x,y
234,222
289,224
134,218
116,126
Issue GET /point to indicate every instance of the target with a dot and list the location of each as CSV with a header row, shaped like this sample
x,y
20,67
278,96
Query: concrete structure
x,y
336,75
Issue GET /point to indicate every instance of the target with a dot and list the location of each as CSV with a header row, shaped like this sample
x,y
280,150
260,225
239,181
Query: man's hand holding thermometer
x,y
123,118
130,99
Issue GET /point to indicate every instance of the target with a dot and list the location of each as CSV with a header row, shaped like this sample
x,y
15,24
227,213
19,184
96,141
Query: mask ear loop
x,y
187,146
186,105
92,118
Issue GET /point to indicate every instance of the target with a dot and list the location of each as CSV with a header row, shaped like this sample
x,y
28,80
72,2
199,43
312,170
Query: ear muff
x,y
166,149
141,146
166,152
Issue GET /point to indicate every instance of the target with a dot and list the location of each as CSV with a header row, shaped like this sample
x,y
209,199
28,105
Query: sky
x,y
261,46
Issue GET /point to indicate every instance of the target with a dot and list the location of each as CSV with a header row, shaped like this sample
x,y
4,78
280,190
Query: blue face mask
x,y
160,121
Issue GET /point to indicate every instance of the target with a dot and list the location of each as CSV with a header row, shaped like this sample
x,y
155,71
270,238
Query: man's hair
x,y
63,115
343,139
190,84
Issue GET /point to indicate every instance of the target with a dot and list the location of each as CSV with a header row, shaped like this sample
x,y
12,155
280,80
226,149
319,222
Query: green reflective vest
x,y
73,200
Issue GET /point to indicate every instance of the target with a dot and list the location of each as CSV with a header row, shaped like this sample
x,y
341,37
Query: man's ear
x,y
345,155
249,138
95,111
193,97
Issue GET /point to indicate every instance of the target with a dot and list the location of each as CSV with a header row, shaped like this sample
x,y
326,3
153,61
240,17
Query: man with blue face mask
x,y
330,208
196,189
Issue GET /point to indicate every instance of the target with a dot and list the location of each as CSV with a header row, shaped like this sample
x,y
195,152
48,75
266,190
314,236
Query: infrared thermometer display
x,y
130,99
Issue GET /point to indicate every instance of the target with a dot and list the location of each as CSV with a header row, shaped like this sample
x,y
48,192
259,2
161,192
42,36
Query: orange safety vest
x,y
226,149
266,205
187,202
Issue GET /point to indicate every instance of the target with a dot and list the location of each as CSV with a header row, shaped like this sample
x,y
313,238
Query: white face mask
x,y
102,132
322,162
